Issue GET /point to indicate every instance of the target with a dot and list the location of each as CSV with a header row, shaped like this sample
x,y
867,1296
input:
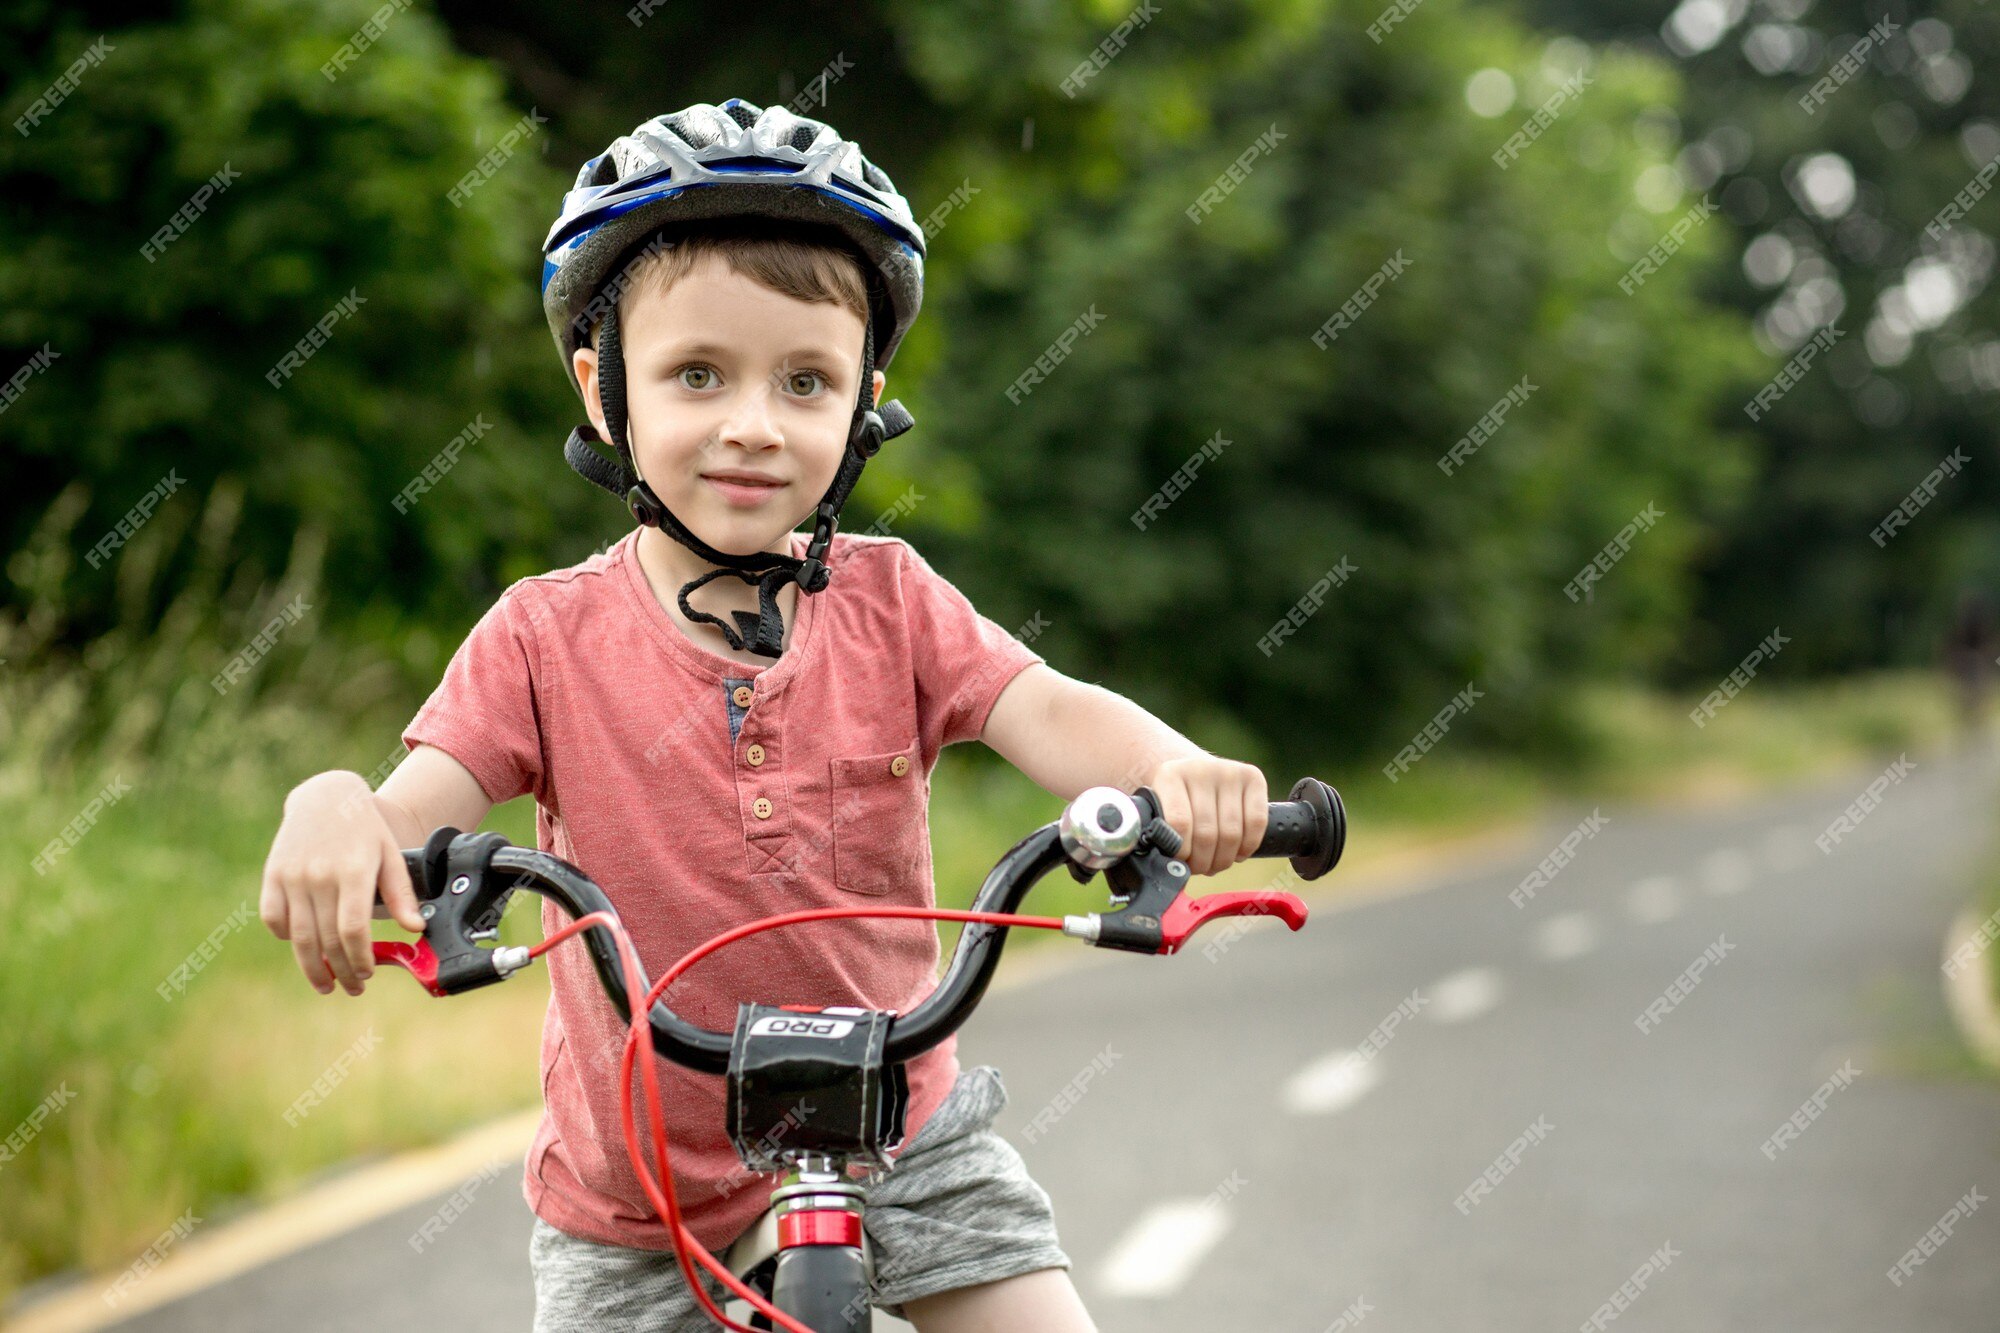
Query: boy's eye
x,y
706,377
804,383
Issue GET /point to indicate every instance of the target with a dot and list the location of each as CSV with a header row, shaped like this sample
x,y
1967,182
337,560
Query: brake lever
x,y
461,903
1155,919
1188,915
421,961
1147,882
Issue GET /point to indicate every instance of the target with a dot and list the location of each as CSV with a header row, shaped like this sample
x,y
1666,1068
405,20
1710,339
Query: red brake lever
x,y
1189,914
418,958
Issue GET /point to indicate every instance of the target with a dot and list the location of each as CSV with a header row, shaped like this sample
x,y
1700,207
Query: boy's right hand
x,y
333,852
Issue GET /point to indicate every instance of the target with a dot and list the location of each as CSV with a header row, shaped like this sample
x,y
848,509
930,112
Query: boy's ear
x,y
880,380
585,361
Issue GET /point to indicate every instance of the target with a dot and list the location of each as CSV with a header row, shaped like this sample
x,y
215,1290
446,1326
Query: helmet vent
x,y
861,190
802,138
741,112
694,131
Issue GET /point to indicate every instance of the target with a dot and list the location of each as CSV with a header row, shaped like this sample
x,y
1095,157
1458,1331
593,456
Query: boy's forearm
x,y
403,825
1067,735
1095,737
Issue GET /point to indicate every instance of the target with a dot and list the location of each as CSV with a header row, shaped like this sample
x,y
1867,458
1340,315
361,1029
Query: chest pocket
x,y
879,812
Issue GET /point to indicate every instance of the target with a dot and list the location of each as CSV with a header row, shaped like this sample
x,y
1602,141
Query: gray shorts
x,y
958,1208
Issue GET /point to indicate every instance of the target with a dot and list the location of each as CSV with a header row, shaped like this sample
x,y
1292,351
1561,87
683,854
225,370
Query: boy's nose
x,y
750,423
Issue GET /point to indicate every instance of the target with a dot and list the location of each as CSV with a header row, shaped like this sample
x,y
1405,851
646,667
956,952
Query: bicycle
x,y
804,1266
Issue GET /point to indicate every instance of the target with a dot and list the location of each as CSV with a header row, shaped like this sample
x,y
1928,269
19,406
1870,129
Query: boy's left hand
x,y
1218,806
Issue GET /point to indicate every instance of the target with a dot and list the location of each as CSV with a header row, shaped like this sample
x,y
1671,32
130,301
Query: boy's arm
x,y
1066,735
477,739
429,790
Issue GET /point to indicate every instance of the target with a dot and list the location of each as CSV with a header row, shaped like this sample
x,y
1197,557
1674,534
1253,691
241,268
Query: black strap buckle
x,y
877,426
813,574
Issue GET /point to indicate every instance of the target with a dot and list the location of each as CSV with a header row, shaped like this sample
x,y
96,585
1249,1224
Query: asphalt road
x,y
1244,1155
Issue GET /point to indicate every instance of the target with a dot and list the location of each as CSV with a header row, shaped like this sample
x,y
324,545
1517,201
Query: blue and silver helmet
x,y
733,160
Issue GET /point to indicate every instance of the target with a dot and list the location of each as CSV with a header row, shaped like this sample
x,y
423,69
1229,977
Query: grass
x,y
152,1103
168,1103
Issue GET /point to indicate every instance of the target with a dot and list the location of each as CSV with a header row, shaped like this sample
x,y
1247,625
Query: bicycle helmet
x,y
732,160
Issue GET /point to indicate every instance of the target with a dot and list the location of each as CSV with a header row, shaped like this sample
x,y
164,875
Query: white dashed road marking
x,y
1570,935
1464,995
1787,848
1654,900
1726,871
1158,1255
1331,1083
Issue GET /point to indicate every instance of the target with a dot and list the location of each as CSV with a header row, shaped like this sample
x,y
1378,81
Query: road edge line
x,y
266,1234
1968,993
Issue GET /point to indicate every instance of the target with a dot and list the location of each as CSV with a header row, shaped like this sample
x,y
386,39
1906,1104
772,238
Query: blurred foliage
x,y
343,185
340,187
1081,204
1334,453
1836,201
155,1112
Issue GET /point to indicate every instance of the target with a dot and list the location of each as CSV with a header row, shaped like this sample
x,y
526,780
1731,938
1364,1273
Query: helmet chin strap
x,y
762,633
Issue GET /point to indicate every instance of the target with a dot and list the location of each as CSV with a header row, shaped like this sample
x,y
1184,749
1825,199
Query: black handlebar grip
x,y
1291,830
1310,828
426,867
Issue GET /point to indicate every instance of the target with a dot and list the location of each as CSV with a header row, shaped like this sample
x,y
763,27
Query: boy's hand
x,y
332,852
1218,806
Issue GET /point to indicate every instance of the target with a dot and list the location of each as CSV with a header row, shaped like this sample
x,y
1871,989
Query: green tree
x,y
294,185
1082,203
1334,452
1828,199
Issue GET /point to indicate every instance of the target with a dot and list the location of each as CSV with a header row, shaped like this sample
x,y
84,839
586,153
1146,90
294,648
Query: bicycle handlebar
x,y
450,877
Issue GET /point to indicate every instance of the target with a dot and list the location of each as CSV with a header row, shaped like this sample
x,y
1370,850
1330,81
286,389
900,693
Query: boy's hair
x,y
805,263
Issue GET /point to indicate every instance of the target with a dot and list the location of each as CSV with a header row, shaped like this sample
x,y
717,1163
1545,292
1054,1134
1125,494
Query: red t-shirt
x,y
578,687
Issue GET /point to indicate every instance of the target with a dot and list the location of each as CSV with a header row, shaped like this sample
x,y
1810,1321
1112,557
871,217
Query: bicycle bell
x,y
1100,827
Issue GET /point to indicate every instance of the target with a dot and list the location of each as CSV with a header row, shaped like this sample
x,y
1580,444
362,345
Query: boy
x,y
725,339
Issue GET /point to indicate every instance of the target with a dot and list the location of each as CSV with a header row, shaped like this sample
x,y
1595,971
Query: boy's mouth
x,y
744,490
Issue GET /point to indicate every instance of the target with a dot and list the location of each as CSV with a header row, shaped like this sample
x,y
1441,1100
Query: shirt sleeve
x,y
963,660
483,713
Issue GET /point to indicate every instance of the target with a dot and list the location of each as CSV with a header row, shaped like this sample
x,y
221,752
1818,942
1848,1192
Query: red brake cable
x,y
639,1033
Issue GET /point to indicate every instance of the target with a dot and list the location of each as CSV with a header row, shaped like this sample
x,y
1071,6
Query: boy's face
x,y
738,401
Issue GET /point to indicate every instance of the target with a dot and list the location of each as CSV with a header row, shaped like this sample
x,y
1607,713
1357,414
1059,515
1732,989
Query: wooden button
x,y
761,807
899,765
742,696
755,754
